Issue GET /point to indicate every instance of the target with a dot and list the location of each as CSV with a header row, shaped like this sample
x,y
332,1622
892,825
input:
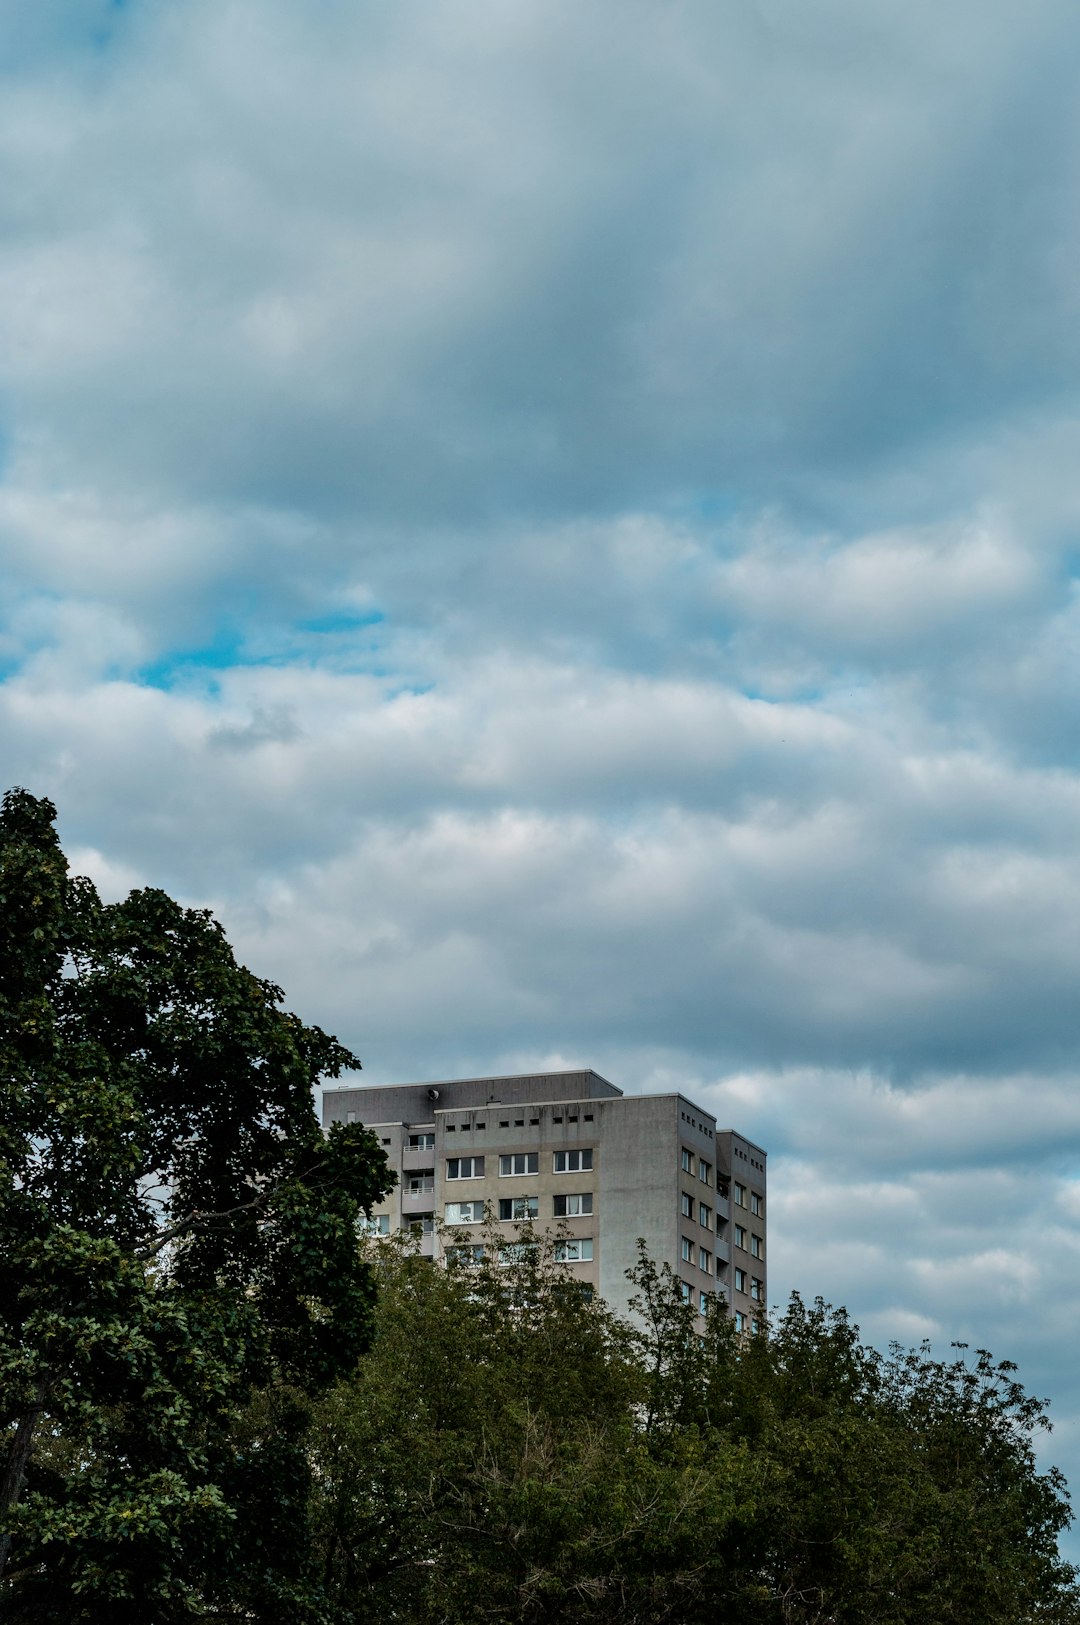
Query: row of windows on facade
x,y
698,1165
756,1288
576,1250
743,1322
756,1247
577,1205
425,1140
751,1199
704,1211
702,1127
520,1162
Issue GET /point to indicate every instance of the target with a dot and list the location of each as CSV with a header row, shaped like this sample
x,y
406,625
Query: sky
x,y
559,523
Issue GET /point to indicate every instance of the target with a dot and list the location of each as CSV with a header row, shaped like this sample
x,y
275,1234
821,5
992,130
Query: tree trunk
x,y
11,1487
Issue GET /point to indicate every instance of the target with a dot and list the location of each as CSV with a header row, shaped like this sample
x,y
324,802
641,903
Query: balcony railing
x,y
415,1202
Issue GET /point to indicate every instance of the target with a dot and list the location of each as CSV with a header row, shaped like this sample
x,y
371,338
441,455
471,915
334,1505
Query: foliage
x,y
509,1451
177,1232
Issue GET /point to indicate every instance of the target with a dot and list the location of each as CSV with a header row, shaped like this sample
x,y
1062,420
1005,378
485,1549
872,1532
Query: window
x,y
422,1180
377,1225
422,1224
687,1250
704,1215
573,1207
703,1303
464,1167
519,1207
740,1280
740,1321
740,1195
757,1289
512,1252
520,1162
421,1142
687,1204
704,1259
464,1255
740,1236
757,1205
574,1252
687,1162
464,1212
756,1248
684,1288
573,1162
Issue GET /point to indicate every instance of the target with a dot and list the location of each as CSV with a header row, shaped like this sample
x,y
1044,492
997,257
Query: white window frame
x,y
457,1163
583,1210
530,1161
579,1161
574,1250
466,1255
522,1209
513,1252
476,1213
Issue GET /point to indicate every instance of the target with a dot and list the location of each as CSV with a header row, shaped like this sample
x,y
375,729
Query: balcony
x,y
416,1196
415,1156
422,1230
723,1251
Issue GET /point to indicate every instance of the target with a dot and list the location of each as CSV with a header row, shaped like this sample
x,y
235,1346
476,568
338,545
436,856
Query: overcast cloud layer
x,y
559,522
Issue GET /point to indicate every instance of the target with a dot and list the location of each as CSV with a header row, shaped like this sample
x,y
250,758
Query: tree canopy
x,y
178,1234
508,1450
217,1403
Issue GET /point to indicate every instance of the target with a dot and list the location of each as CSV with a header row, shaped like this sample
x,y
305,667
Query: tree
x,y
488,1462
177,1233
508,1452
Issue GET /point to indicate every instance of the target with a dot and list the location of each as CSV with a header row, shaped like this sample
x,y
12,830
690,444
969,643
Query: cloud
x,y
559,524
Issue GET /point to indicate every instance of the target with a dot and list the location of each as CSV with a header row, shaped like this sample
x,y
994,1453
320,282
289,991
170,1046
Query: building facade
x,y
570,1152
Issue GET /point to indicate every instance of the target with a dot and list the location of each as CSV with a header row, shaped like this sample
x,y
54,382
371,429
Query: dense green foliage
x,y
508,1451
177,1233
208,1411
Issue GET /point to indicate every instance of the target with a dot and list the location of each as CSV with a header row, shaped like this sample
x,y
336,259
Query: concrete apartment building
x,y
570,1151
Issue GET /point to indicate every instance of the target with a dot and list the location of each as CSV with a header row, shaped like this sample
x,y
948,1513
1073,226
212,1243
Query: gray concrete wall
x,y
637,1179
